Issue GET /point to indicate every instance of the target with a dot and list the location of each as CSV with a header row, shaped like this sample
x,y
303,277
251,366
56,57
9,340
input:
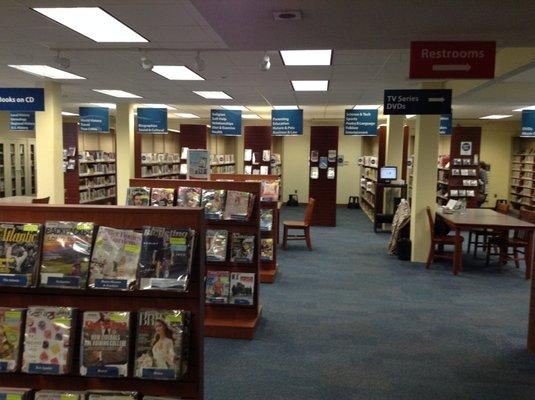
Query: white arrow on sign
x,y
452,67
436,99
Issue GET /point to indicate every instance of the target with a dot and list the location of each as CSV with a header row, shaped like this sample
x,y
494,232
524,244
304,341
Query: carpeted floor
x,y
347,321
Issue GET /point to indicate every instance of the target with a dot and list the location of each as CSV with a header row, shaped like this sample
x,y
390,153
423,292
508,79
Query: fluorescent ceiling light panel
x,y
118,93
212,94
94,23
153,105
525,108
310,86
409,116
250,116
496,116
68,114
112,106
46,71
306,57
234,108
367,107
176,73
285,107
186,115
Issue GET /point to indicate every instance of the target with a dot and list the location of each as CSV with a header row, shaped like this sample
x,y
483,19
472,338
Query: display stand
x,y
191,386
268,269
227,320
257,139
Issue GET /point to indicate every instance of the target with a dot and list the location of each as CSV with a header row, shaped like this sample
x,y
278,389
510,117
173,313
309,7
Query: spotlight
x,y
266,63
146,64
199,62
63,62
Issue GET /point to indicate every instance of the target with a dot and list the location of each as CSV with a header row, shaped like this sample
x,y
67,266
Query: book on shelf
x,y
111,395
166,257
242,288
114,259
238,205
161,344
48,338
217,287
105,343
213,201
266,220
19,253
242,248
216,245
12,393
66,253
266,249
138,196
162,197
189,197
58,395
11,331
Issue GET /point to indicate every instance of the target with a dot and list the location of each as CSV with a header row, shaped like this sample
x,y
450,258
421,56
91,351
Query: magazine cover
x,y
213,202
161,344
216,245
269,190
189,197
9,393
66,254
242,288
138,196
57,395
165,259
198,164
323,163
11,320
47,340
266,249
238,205
105,343
115,258
162,197
266,220
242,248
111,395
217,287
19,253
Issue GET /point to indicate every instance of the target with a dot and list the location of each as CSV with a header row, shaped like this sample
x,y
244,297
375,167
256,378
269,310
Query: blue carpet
x,y
347,321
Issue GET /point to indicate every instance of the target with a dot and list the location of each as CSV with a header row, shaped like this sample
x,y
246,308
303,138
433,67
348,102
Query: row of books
x,y
87,169
223,169
96,155
96,194
151,170
27,394
79,254
216,159
241,249
97,181
217,203
46,336
147,158
224,287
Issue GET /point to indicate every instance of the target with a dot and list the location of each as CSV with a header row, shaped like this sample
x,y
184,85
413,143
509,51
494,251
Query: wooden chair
x,y
438,240
43,200
503,208
301,225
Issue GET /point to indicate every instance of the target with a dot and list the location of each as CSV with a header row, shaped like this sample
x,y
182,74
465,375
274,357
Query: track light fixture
x,y
266,63
63,62
146,63
199,62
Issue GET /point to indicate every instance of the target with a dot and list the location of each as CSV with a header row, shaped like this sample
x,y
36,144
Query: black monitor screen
x,y
388,173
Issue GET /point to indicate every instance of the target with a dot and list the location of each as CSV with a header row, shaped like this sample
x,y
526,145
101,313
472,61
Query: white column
x,y
124,132
49,146
394,141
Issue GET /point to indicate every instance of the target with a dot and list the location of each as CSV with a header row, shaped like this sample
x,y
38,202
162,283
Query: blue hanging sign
x,y
445,125
360,122
22,99
22,121
152,120
225,122
528,123
417,101
286,122
94,119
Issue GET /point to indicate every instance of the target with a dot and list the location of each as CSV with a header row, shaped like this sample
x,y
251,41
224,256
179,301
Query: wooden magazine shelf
x,y
227,320
191,385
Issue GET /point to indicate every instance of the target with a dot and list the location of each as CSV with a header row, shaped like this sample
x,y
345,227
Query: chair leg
x,y
487,260
285,239
515,255
469,242
307,238
431,256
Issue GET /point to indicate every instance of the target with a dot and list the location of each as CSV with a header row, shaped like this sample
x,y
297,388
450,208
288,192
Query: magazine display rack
x,y
227,320
268,269
191,385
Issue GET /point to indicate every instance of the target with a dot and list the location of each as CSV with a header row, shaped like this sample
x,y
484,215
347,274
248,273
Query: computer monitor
x,y
388,173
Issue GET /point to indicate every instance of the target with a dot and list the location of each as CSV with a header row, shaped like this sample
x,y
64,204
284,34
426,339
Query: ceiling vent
x,y
287,15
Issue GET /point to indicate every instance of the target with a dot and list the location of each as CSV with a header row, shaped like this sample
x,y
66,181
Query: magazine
x,y
111,395
47,340
138,196
11,393
198,164
161,344
162,197
242,288
213,202
217,287
216,245
269,190
242,248
115,258
323,163
19,253
11,320
58,395
314,155
66,254
105,344
165,260
266,220
266,249
238,205
189,197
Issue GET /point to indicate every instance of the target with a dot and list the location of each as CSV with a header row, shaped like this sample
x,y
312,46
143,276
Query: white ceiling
x,y
370,41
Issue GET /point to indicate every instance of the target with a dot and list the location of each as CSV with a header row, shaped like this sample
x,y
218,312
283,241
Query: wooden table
x,y
481,218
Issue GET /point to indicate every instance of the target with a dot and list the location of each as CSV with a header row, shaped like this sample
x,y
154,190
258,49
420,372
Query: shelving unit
x,y
443,178
222,164
257,139
160,165
17,167
522,184
368,185
227,320
190,386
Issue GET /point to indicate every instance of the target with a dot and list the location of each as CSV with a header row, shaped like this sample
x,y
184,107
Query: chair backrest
x,y
524,215
309,211
43,200
502,208
431,222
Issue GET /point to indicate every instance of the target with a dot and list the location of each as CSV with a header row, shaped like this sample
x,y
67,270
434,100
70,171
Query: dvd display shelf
x,y
268,268
227,320
191,385
368,184
17,167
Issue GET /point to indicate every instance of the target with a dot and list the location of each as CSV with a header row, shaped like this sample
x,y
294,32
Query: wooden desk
x,y
480,218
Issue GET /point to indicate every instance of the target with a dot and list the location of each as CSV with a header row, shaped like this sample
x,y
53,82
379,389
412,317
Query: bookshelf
x,y
191,385
257,141
522,182
157,155
227,320
160,165
222,163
